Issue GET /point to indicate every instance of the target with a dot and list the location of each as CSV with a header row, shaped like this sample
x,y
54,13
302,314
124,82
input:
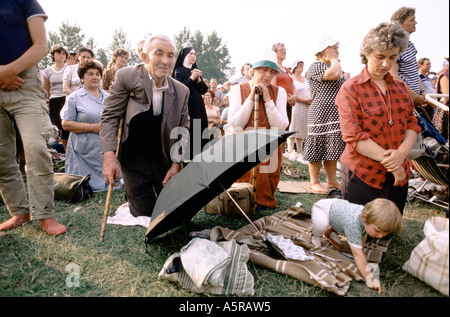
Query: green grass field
x,y
33,264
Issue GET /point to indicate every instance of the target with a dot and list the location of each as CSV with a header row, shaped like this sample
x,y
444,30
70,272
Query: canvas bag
x,y
71,187
429,259
224,206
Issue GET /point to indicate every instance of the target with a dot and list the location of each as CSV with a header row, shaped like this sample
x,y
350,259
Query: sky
x,y
248,27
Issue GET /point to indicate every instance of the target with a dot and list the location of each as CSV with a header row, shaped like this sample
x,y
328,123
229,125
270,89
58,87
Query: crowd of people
x,y
367,123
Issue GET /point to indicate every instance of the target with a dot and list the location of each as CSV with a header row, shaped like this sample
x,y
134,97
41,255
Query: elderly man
x,y
153,105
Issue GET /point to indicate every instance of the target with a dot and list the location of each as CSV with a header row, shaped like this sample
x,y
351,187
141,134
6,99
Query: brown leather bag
x,y
224,206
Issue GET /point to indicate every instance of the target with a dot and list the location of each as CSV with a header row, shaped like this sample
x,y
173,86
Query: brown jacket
x,y
131,94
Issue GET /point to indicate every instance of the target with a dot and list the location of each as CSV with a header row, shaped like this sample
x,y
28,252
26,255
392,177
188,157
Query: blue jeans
x,y
26,106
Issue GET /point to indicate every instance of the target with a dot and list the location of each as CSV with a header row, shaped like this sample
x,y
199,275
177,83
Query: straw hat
x,y
267,58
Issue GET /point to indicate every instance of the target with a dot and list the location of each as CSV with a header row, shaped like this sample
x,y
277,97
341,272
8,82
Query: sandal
x,y
293,172
285,170
334,193
333,236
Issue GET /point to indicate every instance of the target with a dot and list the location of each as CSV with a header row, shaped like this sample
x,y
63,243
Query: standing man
x,y
219,94
23,43
406,68
152,104
243,78
424,65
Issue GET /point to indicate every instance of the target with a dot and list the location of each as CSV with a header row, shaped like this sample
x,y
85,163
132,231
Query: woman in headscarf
x,y
187,72
272,114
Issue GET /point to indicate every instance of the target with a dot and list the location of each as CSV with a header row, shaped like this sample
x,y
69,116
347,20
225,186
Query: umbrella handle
x,y
109,194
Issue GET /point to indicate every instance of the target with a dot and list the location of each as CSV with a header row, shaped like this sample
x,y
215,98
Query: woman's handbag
x,y
71,187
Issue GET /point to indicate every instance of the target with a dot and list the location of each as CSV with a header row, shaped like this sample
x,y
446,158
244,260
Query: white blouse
x,y
239,114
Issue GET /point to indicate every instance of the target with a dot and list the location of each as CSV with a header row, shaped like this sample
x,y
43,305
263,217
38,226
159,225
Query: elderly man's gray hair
x,y
147,47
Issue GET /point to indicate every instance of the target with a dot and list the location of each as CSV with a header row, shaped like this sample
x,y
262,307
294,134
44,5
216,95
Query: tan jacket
x,y
131,94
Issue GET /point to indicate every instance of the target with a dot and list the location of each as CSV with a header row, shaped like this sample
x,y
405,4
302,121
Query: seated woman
x,y
81,117
377,123
272,114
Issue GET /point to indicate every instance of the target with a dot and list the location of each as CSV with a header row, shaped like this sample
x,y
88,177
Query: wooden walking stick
x,y
255,169
110,187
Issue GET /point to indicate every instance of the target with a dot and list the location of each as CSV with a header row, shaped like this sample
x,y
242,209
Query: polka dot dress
x,y
324,141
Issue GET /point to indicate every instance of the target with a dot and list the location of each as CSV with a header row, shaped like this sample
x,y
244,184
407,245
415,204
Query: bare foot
x,y
317,188
52,227
14,222
335,185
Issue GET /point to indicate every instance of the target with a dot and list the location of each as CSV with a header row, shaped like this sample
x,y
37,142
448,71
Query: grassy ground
x,y
34,264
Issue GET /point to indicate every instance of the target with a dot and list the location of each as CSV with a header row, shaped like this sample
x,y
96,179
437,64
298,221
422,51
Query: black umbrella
x,y
208,174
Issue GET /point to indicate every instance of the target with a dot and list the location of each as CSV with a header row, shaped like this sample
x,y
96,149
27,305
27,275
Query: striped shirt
x,y
408,69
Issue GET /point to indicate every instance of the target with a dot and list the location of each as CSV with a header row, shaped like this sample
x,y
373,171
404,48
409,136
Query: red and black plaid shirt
x,y
363,115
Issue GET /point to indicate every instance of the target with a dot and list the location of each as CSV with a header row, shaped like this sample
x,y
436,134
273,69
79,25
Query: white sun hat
x,y
323,43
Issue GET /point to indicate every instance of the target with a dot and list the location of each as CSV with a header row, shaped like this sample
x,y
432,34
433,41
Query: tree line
x,y
212,55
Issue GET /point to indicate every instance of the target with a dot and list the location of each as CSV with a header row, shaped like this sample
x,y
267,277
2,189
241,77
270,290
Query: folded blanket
x,y
334,272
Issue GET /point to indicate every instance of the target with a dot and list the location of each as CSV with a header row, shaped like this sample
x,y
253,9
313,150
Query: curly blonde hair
x,y
384,37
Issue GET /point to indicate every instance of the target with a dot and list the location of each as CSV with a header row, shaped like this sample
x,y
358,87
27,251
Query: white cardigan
x,y
239,114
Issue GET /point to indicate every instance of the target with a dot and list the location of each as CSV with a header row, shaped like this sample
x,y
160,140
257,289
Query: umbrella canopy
x,y
208,174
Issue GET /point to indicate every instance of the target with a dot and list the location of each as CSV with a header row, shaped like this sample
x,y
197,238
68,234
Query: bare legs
x,y
330,170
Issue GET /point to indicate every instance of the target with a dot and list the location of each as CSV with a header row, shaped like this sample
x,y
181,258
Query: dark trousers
x,y
143,182
356,191
55,105
142,166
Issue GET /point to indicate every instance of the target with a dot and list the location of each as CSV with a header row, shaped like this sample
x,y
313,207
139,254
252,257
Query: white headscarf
x,y
186,61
